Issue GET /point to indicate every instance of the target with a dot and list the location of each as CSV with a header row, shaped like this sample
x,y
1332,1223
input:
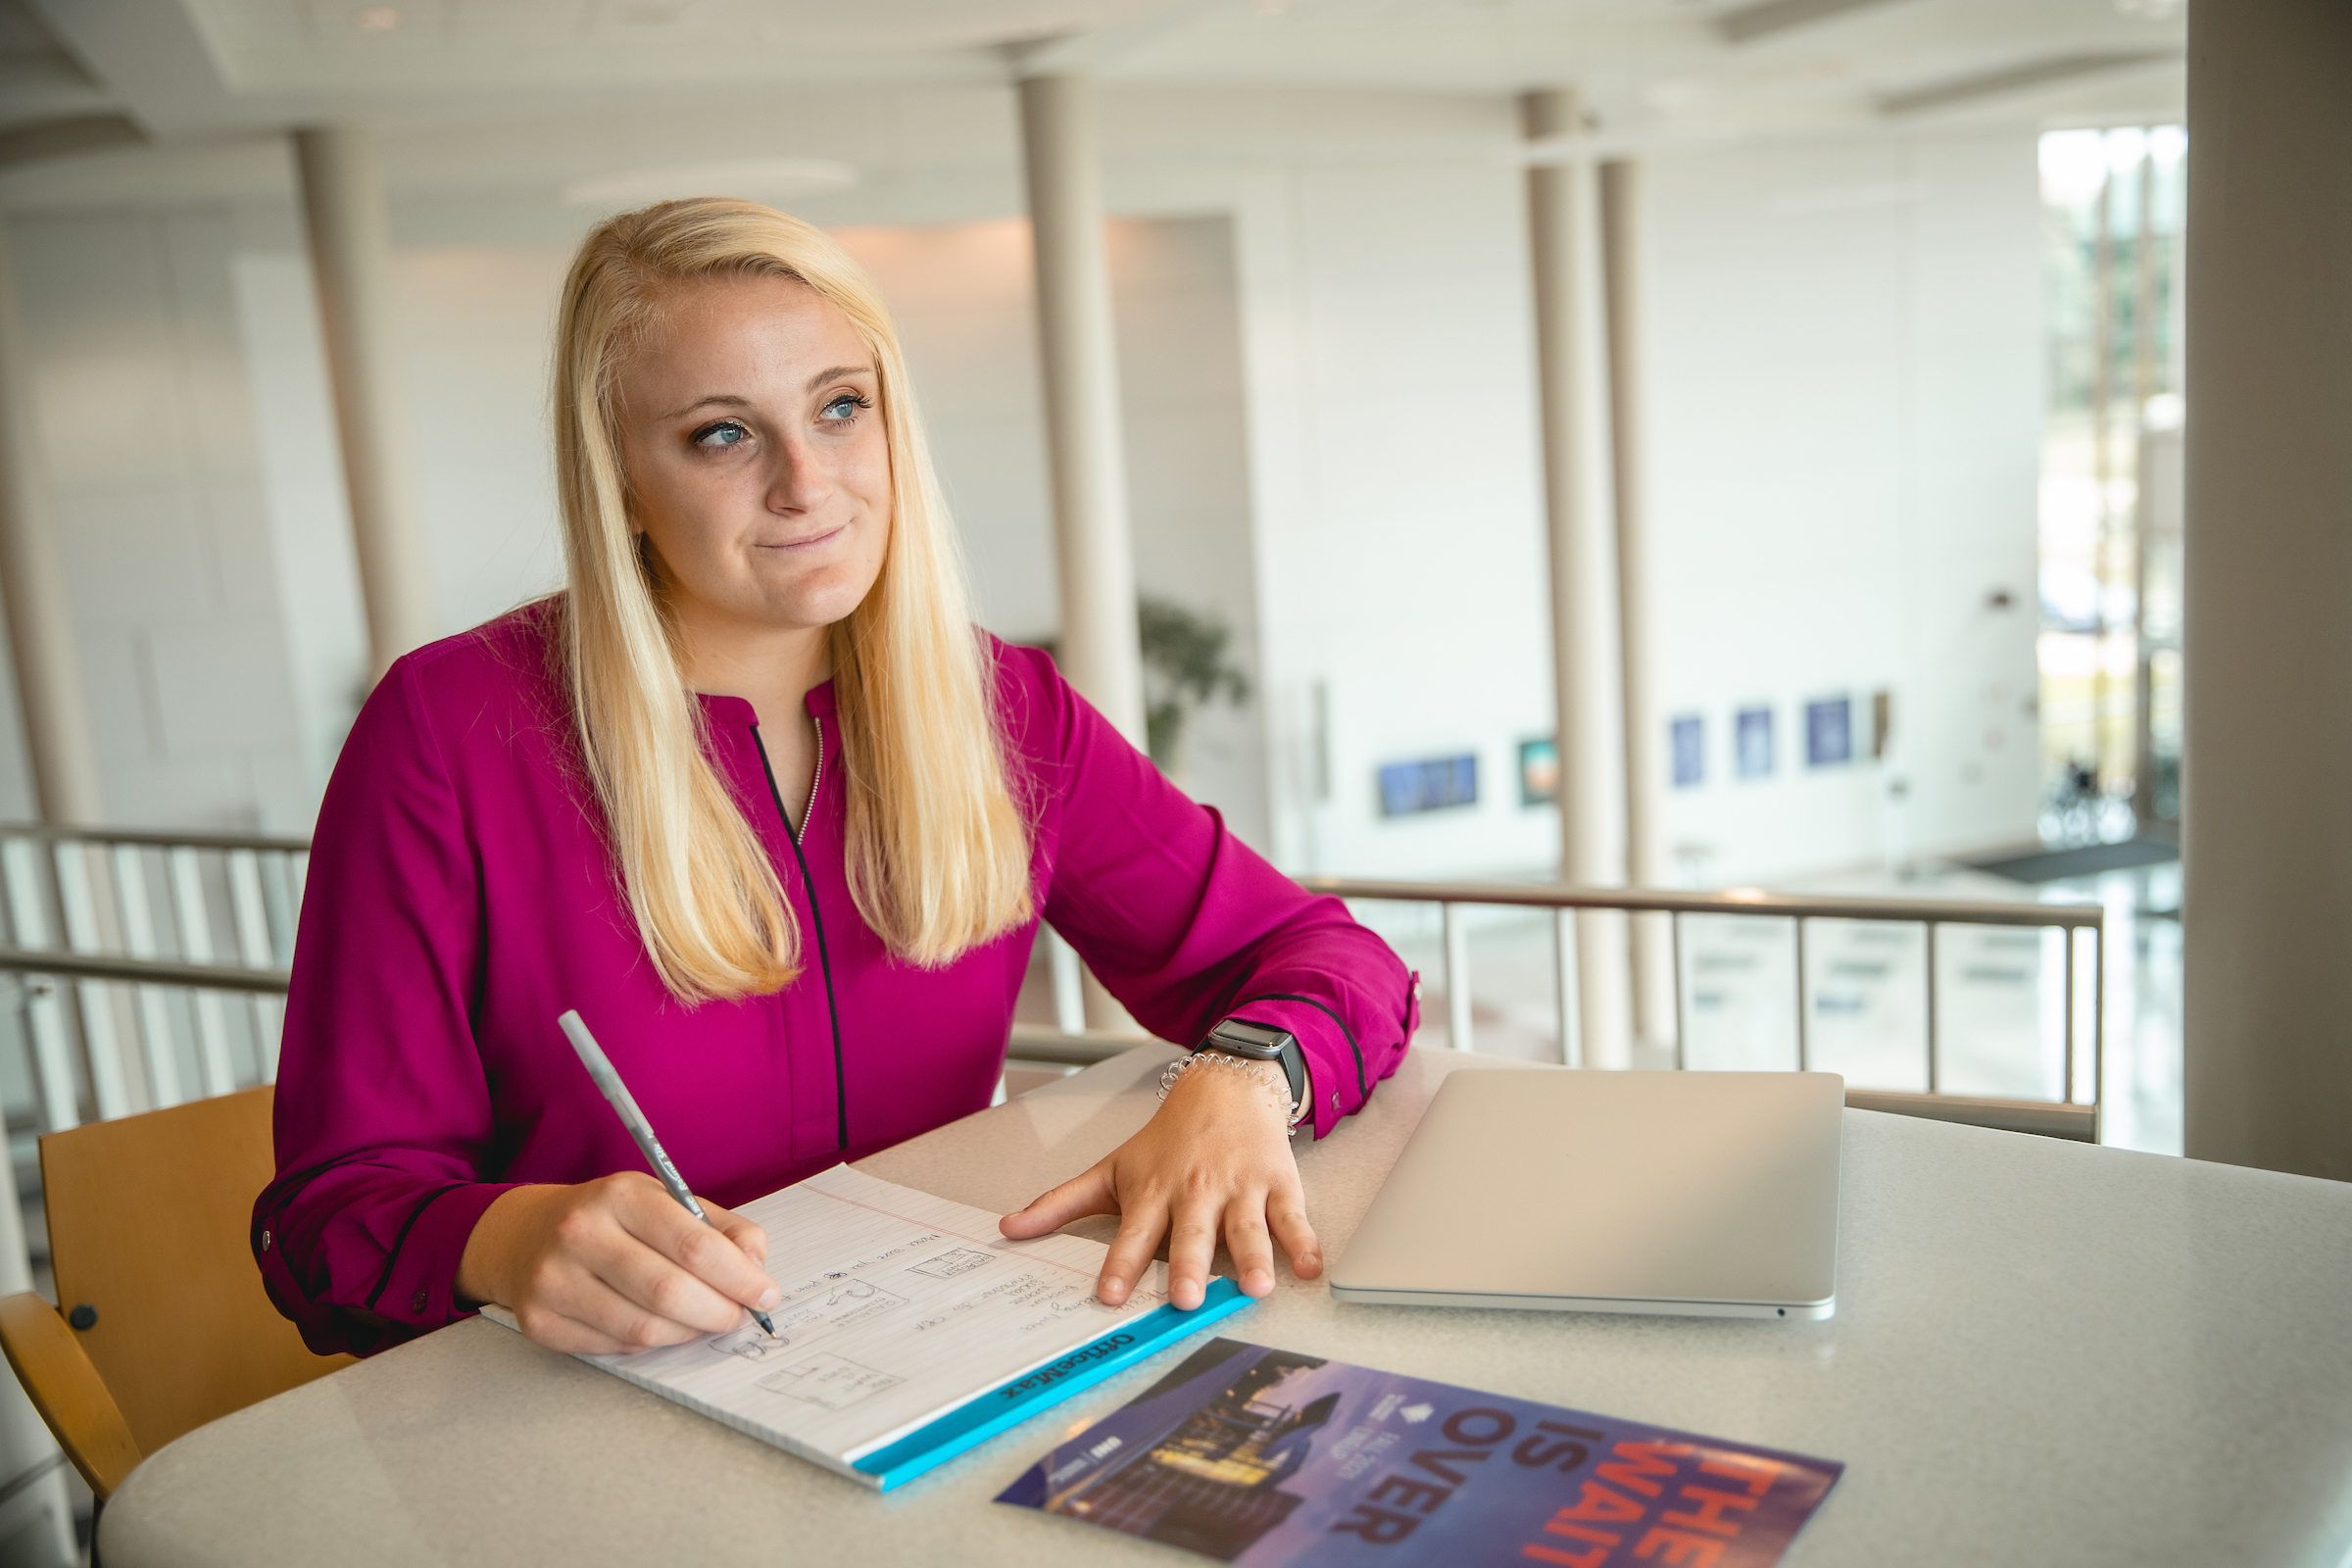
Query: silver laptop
x,y
1700,1193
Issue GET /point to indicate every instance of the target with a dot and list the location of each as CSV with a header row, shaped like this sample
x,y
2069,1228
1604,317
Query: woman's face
x,y
758,467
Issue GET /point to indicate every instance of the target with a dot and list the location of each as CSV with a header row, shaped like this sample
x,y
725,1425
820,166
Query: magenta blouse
x,y
461,897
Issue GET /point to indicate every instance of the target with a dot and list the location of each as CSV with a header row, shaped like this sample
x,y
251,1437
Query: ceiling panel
x,y
511,21
343,26
1649,65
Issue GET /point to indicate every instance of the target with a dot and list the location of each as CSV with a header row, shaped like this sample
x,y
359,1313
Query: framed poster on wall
x,y
1687,748
1751,742
1538,772
1829,732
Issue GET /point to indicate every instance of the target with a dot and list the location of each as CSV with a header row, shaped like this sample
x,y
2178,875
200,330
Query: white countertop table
x,y
2043,1352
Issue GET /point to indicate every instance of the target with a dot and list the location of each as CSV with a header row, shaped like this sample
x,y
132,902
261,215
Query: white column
x,y
2268,643
1100,651
351,254
1572,375
40,629
1653,976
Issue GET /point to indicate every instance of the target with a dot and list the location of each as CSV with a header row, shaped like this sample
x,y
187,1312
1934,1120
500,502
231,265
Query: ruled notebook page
x,y
897,1305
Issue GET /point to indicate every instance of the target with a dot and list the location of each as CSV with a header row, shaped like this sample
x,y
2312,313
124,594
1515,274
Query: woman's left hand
x,y
1214,1160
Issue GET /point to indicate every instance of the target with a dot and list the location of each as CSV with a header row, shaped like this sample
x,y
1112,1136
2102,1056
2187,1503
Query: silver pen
x,y
624,1105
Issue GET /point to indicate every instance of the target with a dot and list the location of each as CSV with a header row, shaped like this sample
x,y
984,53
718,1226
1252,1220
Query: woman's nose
x,y
800,480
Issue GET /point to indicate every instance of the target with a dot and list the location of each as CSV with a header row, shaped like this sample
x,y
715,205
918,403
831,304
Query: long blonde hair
x,y
938,852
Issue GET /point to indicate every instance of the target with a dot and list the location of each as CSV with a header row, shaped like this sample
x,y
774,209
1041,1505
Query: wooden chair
x,y
165,1325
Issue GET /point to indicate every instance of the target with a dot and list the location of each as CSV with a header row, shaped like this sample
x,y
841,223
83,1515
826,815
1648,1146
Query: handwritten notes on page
x,y
897,1306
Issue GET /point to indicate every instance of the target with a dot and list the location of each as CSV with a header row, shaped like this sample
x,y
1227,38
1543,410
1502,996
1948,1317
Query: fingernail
x,y
769,1297
1257,1282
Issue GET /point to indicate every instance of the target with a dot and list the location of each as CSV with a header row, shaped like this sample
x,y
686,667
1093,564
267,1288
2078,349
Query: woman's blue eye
x,y
720,436
845,407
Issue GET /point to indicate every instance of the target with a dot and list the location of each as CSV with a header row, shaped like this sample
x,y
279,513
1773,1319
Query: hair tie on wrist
x,y
1264,1073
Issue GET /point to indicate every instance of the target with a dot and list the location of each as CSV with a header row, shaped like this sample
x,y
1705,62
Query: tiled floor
x,y
2143,985
2143,1003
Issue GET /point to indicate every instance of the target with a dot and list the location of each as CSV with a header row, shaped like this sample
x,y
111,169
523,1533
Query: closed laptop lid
x,y
1653,1188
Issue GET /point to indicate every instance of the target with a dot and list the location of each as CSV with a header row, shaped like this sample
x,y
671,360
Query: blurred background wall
x,y
1323,315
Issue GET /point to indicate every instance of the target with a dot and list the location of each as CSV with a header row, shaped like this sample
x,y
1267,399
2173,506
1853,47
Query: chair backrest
x,y
148,1223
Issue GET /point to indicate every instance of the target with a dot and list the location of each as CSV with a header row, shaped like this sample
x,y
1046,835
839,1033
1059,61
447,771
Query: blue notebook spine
x,y
983,1416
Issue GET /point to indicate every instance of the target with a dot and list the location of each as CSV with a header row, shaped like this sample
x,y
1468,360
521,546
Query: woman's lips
x,y
809,541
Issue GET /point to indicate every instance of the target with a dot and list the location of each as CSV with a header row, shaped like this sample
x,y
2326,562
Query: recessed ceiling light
x,y
375,18
757,179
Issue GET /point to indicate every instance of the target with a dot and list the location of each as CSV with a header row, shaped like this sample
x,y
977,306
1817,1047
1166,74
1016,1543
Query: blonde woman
x,y
754,796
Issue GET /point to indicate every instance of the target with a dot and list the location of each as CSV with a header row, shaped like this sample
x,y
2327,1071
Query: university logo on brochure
x,y
1263,1457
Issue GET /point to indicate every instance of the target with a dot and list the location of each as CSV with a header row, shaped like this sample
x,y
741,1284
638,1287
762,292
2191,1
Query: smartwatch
x,y
1257,1042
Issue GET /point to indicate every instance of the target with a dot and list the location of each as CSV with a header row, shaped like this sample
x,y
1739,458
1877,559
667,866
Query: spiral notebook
x,y
910,1331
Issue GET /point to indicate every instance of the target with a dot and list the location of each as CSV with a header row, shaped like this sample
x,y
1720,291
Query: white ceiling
x,y
1657,72
254,57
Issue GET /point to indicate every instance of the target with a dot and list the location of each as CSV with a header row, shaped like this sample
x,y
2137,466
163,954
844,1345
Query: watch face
x,y
1250,1038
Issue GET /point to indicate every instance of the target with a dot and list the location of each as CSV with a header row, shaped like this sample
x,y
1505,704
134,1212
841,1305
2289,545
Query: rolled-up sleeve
x,y
383,1118
1185,924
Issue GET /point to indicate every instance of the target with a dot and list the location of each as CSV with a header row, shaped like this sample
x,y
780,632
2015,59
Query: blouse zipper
x,y
816,919
815,777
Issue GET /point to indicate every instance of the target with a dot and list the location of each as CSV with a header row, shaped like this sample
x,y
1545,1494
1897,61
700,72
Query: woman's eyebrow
x,y
730,400
836,372
723,399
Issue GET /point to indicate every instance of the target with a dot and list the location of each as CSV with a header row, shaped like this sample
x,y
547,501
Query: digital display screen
x,y
1234,1032
1434,784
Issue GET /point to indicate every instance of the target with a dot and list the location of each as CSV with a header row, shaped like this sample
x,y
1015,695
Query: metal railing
x,y
149,967
2066,1117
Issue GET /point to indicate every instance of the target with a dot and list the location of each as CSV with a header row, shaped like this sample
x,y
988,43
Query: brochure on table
x,y
1262,1457
910,1330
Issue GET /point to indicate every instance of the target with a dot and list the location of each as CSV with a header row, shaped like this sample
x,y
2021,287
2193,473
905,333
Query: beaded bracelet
x,y
1264,1073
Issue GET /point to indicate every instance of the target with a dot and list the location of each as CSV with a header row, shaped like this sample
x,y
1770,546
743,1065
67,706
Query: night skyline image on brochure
x,y
1261,1457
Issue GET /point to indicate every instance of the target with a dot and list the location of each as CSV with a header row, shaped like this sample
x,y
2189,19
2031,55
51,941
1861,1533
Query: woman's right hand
x,y
614,1264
